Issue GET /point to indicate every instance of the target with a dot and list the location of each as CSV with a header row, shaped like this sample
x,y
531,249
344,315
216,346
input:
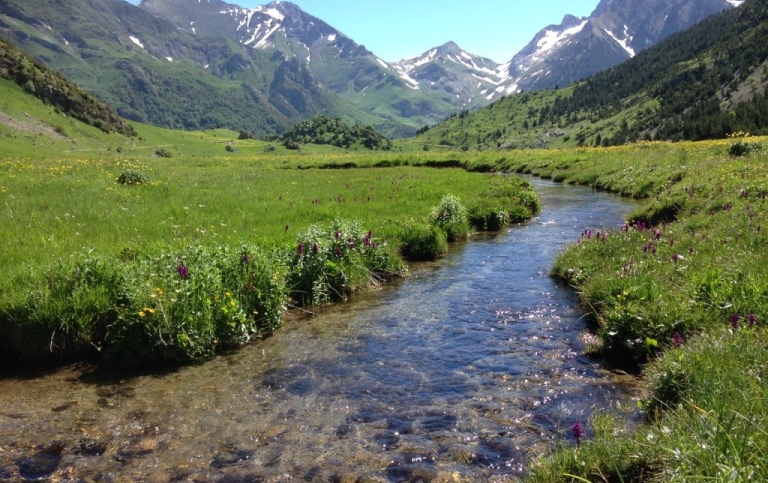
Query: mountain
x,y
196,64
706,82
617,30
336,61
452,70
151,72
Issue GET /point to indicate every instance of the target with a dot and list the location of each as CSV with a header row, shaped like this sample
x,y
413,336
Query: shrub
x,y
132,177
329,264
178,306
740,148
451,217
164,153
182,306
420,241
488,218
245,135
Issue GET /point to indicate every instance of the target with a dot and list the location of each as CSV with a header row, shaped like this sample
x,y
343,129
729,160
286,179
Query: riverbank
x,y
681,291
141,262
459,372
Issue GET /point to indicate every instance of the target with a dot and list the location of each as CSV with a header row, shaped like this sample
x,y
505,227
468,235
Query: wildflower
x,y
678,340
578,433
142,314
676,257
337,234
351,245
246,259
300,250
752,319
183,271
315,248
690,251
735,321
338,252
159,291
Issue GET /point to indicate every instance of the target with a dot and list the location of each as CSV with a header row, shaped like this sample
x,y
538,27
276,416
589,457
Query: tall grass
x,y
681,287
140,261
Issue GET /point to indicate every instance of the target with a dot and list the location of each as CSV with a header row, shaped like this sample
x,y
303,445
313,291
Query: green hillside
x,y
704,83
54,89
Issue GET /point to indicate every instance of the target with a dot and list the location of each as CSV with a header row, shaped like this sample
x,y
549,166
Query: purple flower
x,y
678,340
183,271
338,252
578,433
735,321
752,319
676,257
351,245
315,248
337,234
246,259
300,250
690,251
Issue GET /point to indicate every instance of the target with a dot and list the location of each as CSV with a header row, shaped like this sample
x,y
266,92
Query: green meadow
x,y
173,245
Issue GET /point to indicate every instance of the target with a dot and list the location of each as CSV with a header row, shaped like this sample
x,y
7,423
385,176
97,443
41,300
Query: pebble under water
x,y
461,372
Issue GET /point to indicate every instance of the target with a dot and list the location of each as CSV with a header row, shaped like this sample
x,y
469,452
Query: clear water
x,y
461,372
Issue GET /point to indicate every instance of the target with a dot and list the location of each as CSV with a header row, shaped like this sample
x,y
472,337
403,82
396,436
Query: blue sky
x,y
395,29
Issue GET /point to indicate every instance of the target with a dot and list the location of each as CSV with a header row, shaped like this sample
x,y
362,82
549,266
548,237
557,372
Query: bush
x,y
132,177
451,217
488,218
740,148
328,264
175,306
164,153
245,135
184,306
420,241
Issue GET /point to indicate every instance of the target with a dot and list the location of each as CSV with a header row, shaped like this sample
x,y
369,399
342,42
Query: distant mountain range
x,y
706,82
207,63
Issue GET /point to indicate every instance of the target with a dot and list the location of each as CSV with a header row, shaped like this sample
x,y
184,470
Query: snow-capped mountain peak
x,y
453,70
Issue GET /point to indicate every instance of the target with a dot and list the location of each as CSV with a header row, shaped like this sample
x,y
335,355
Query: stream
x,y
461,372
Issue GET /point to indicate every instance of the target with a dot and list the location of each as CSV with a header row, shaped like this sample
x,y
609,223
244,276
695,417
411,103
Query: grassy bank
x,y
174,257
681,291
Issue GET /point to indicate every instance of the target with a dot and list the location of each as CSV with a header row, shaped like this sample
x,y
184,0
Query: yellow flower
x,y
159,291
142,314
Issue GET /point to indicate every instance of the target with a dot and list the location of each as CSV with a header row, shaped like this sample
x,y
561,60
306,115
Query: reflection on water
x,y
458,373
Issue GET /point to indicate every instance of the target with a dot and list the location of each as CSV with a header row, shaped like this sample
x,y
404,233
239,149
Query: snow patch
x,y
551,37
272,12
624,43
332,38
170,59
735,3
382,63
136,41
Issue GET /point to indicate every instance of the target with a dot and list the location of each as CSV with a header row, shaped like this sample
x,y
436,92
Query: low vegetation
x,y
680,291
52,88
332,131
173,258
